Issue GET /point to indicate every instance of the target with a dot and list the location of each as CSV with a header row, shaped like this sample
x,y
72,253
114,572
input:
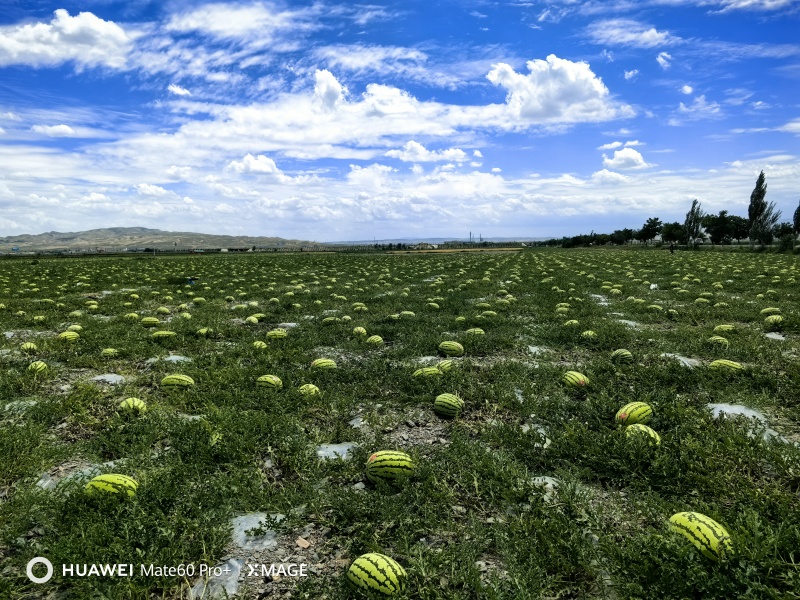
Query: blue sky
x,y
336,120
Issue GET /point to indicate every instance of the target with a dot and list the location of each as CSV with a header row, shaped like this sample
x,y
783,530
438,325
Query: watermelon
x,y
389,465
177,381
448,405
323,363
640,429
622,356
706,534
112,483
634,412
725,365
133,405
427,372
377,573
451,349
269,381
575,379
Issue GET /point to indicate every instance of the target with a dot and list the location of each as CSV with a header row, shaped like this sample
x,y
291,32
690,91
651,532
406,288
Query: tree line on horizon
x,y
761,226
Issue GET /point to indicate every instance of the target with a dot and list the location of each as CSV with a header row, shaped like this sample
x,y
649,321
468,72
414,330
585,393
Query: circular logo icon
x,y
36,561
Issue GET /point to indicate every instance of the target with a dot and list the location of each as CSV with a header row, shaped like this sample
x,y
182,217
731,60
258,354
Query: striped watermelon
x,y
427,372
723,328
150,321
588,334
163,334
132,317
634,412
133,404
451,349
771,311
575,379
389,465
323,363
308,389
69,336
37,366
359,331
640,429
773,321
446,365
705,533
725,365
378,573
109,352
270,381
718,340
177,381
622,356
571,323
375,340
205,331
28,347
276,334
475,331
448,405
112,483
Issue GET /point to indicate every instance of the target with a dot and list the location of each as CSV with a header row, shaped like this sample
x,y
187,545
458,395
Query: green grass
x,y
470,523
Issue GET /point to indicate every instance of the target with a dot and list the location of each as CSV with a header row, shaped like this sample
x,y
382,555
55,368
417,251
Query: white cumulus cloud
x,y
606,176
86,39
415,152
631,74
663,59
146,189
687,89
328,92
627,158
254,164
556,90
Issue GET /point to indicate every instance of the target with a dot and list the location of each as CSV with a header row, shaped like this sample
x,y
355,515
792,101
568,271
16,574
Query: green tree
x,y
628,233
796,225
740,227
693,222
673,232
650,229
718,227
782,229
762,215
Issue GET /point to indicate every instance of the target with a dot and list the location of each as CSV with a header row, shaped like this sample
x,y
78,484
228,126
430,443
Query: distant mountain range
x,y
119,238
112,239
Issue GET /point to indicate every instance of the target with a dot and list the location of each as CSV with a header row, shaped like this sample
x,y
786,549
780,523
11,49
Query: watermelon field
x,y
137,427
